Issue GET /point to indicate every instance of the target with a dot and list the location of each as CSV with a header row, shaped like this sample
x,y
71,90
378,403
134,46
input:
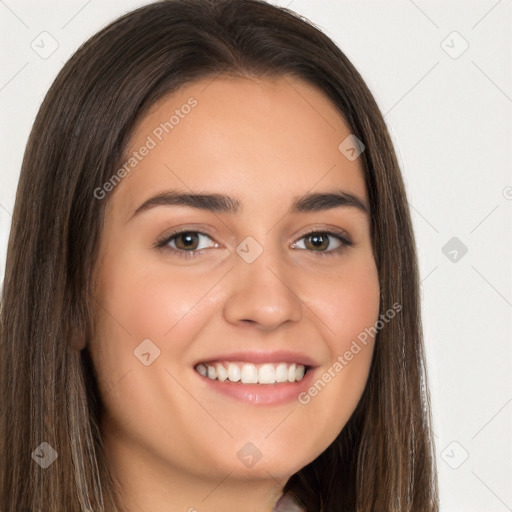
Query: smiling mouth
x,y
249,373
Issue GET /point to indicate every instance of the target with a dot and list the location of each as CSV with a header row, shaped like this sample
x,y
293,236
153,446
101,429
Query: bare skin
x,y
171,439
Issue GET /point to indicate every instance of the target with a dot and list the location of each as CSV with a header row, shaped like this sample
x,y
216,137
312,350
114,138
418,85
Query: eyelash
x,y
163,243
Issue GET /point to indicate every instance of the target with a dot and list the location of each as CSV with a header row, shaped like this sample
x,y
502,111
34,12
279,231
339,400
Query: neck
x,y
148,483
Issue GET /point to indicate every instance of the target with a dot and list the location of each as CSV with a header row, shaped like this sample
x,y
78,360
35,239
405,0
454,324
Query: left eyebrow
x,y
327,200
225,204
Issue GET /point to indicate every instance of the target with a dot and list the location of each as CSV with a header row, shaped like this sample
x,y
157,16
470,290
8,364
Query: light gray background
x,y
449,113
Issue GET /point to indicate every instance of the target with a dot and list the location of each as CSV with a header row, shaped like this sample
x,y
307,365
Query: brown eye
x,y
320,242
317,241
185,243
186,240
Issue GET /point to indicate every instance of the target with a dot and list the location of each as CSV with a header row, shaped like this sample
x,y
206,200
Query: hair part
x,y
383,459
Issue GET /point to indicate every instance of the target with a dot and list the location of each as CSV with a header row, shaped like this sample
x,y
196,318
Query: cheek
x,y
136,302
348,308
350,303
130,308
150,301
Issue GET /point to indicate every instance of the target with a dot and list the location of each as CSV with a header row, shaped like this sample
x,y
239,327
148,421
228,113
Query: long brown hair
x,y
383,459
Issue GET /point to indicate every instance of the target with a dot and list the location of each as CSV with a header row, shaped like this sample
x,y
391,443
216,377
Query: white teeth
x,y
291,372
248,373
212,372
281,372
266,374
233,373
201,368
222,374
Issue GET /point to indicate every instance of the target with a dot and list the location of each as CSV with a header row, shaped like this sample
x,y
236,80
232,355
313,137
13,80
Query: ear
x,y
77,339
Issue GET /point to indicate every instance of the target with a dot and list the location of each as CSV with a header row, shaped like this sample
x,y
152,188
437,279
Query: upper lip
x,y
260,357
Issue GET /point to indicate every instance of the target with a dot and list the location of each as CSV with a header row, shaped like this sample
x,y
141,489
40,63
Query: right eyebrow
x,y
210,202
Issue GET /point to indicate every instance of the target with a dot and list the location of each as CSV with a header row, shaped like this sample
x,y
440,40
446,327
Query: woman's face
x,y
255,285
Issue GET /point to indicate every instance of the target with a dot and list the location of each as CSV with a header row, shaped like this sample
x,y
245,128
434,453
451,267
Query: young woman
x,y
211,296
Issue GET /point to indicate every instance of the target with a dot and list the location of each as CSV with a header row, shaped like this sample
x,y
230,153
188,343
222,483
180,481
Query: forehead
x,y
262,139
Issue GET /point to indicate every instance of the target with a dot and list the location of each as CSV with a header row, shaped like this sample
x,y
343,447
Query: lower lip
x,y
261,394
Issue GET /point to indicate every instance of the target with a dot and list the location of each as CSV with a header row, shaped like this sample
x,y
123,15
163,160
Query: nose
x,y
262,294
